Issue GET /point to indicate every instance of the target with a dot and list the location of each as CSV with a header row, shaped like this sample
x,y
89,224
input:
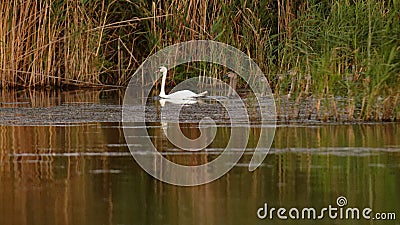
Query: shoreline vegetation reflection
x,y
65,154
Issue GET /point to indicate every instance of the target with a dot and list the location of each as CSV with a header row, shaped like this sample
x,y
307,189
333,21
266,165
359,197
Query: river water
x,y
64,160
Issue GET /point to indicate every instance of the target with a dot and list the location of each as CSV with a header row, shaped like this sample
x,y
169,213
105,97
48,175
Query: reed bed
x,y
341,56
45,43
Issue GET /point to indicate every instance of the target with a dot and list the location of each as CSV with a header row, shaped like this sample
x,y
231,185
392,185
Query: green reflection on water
x,y
84,174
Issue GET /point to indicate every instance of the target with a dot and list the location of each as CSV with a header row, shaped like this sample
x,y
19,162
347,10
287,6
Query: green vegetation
x,y
341,52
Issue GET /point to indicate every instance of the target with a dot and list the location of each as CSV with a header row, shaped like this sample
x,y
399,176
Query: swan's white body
x,y
184,94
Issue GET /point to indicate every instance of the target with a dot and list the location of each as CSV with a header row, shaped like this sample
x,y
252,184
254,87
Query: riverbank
x,y
328,53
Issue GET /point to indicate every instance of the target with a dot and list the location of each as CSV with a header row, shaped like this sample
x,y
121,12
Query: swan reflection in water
x,y
163,101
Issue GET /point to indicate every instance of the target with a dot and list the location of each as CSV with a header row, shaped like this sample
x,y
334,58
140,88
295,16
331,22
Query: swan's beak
x,y
157,71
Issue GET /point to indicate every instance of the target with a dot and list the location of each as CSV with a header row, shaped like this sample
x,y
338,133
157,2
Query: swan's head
x,y
162,69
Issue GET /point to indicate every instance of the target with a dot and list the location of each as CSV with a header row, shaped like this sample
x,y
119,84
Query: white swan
x,y
184,94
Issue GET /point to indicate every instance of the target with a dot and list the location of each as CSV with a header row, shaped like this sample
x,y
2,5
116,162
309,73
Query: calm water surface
x,y
75,168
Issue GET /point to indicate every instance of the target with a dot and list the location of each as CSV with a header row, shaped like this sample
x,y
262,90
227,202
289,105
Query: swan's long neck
x,y
164,78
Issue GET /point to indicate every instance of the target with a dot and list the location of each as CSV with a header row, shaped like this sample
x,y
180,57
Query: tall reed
x,y
346,50
51,43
